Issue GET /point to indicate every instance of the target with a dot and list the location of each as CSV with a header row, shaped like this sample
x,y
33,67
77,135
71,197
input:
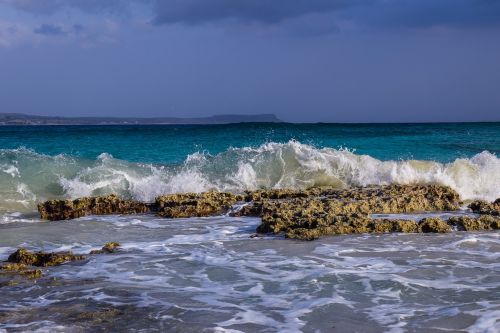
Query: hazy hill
x,y
25,119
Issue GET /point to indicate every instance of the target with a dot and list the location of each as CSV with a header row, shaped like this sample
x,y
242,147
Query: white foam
x,y
288,165
271,165
212,266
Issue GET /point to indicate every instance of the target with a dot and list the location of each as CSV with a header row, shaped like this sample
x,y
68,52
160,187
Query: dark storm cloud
x,y
266,11
425,13
386,13
52,6
379,13
49,30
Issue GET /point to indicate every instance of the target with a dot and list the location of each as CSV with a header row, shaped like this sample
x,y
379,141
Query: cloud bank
x,y
53,6
374,13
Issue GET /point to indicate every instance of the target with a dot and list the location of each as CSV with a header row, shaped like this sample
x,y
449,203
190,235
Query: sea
x,y
210,274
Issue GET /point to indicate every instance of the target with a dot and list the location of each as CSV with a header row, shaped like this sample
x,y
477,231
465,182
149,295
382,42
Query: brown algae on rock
x,y
20,264
100,316
195,204
10,271
433,224
110,247
42,259
69,209
483,207
301,214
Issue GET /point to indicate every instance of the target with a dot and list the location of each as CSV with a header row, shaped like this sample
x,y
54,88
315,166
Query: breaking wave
x,y
27,177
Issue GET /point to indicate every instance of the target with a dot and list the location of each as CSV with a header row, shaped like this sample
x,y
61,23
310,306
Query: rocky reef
x,y
42,259
195,204
25,264
301,214
347,211
110,247
483,207
12,274
69,209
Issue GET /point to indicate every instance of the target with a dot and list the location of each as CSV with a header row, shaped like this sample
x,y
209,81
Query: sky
x,y
303,60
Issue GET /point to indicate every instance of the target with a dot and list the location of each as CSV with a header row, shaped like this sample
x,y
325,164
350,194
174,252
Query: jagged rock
x,y
110,247
347,211
484,222
274,194
69,209
350,224
403,198
20,270
42,259
375,199
251,209
195,204
396,225
483,207
433,224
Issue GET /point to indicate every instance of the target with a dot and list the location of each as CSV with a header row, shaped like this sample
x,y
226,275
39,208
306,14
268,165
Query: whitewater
x,y
213,274
27,176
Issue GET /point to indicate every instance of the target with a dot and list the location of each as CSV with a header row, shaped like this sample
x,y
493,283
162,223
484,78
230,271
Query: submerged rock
x,y
110,247
69,209
42,259
195,204
20,265
99,316
22,270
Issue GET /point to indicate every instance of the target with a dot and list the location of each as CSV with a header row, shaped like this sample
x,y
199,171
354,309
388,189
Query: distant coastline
x,y
8,119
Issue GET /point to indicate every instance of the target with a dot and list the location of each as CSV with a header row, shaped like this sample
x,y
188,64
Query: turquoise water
x,y
172,143
42,162
211,274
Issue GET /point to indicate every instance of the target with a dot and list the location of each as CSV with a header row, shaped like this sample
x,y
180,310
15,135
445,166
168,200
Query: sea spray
x,y
27,176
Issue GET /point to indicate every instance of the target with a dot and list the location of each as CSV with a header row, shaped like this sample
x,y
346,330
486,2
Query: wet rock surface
x,y
42,259
69,209
376,199
110,247
301,214
484,222
433,224
12,274
348,211
195,204
25,264
483,207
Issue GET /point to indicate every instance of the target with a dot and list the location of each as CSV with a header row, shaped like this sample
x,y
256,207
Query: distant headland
x,y
26,119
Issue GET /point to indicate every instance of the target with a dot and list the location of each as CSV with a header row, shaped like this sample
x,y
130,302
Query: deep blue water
x,y
172,143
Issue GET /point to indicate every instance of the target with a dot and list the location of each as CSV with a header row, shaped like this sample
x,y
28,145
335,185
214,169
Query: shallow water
x,y
39,163
209,274
193,275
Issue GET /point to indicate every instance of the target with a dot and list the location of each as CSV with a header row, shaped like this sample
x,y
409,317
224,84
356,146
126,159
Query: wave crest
x,y
27,177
